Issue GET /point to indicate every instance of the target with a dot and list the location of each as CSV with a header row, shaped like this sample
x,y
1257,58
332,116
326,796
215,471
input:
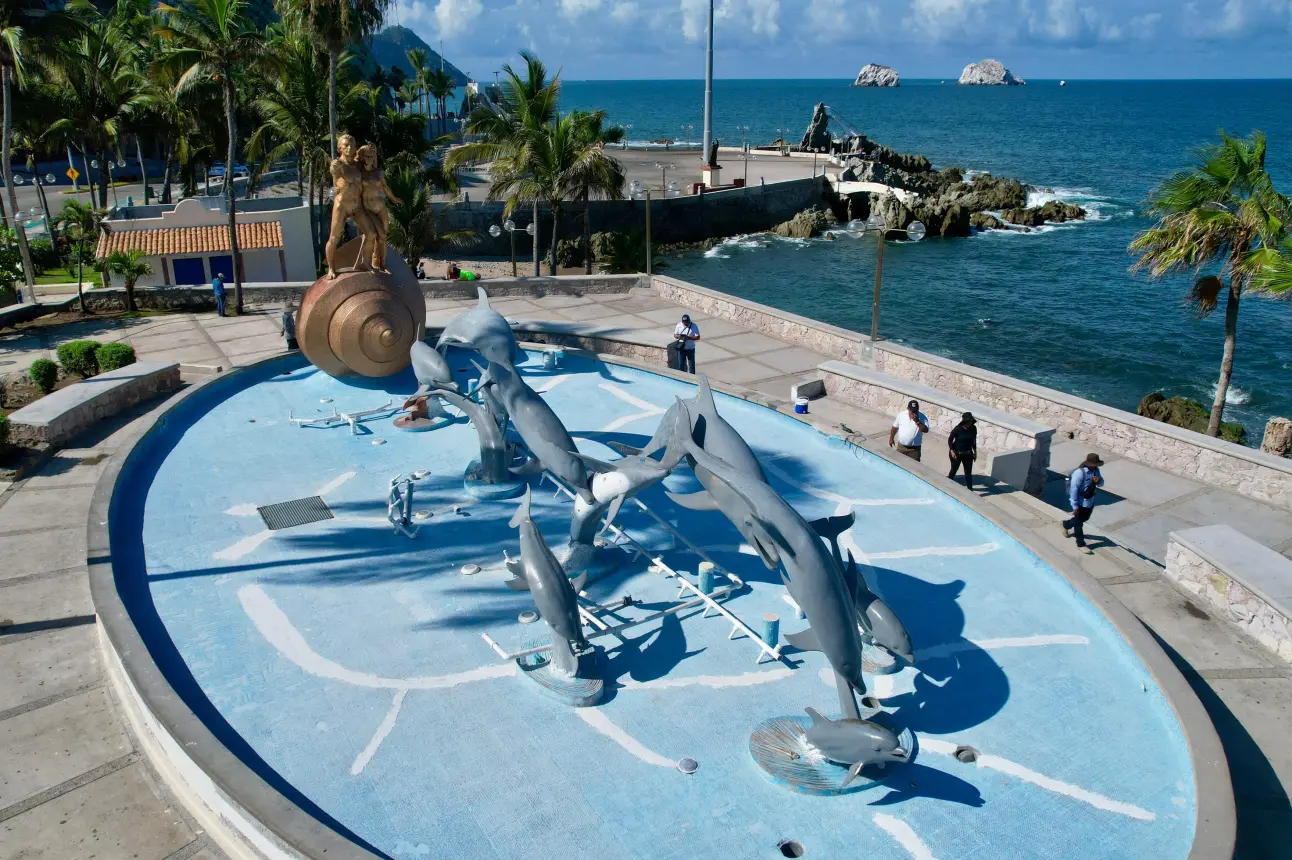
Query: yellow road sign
x,y
73,173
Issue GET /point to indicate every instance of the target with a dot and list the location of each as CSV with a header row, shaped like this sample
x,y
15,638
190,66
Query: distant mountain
x,y
389,48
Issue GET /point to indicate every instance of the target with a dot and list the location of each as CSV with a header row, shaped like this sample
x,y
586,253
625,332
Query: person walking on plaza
x,y
908,431
687,333
962,445
1082,485
288,325
217,284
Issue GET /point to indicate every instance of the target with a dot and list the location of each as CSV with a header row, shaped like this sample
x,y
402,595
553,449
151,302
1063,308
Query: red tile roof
x,y
168,241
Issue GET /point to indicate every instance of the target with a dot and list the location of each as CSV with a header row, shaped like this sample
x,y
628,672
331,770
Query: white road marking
x,y
979,549
1014,769
380,735
748,679
247,509
905,836
599,721
829,496
335,483
947,648
551,383
279,631
625,420
630,399
242,547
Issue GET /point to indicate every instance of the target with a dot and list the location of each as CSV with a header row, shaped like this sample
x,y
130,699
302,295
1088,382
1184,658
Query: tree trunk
x,y
143,168
300,175
556,220
1226,363
44,204
131,307
333,55
84,149
232,121
28,273
170,153
587,234
80,268
104,180
538,261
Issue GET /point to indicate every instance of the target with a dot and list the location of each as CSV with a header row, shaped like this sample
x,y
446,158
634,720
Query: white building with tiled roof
x,y
188,243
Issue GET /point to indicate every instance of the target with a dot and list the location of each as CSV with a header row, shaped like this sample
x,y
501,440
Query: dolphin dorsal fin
x,y
817,719
522,512
852,578
704,398
484,298
593,463
579,581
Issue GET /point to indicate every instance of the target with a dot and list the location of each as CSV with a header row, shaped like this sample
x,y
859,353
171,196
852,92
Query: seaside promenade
x,y
74,779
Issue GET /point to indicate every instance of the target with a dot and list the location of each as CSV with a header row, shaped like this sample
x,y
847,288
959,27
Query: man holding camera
x,y
908,431
1082,486
686,333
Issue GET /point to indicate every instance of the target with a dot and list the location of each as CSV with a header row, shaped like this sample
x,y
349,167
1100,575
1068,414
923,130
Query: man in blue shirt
x,y
1082,485
217,284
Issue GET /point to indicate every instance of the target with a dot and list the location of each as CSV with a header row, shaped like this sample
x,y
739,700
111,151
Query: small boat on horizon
x,y
1063,83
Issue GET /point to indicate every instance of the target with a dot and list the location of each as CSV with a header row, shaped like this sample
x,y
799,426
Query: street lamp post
x,y
748,158
708,92
663,174
628,130
510,226
875,223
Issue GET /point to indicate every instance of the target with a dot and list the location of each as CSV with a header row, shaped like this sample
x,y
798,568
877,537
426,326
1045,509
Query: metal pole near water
x,y
708,94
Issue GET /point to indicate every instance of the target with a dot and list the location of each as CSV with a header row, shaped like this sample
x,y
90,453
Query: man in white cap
x,y
908,431
687,333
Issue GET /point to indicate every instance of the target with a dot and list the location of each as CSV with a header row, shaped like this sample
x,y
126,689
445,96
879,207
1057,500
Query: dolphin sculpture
x,y
810,573
855,743
430,368
538,572
484,330
539,427
879,623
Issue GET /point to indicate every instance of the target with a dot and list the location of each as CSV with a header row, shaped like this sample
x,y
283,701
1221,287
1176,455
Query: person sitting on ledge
x,y
453,273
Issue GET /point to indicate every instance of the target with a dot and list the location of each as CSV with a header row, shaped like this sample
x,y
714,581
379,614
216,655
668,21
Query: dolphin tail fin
x,y
579,581
817,719
517,583
704,398
613,512
483,296
700,501
515,566
804,641
626,450
852,774
831,527
522,512
675,450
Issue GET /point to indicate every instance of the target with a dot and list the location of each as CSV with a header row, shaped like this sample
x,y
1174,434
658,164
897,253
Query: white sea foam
x,y
1234,396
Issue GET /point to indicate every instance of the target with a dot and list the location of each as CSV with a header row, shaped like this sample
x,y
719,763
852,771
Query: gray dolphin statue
x,y
484,330
879,623
810,573
539,427
556,596
430,368
855,743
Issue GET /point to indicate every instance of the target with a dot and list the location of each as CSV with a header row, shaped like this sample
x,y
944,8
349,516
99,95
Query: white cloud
x,y
625,11
760,17
694,19
455,16
840,20
948,19
575,8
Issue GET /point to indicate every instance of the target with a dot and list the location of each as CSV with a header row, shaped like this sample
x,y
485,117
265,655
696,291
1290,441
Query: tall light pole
x,y
708,94
875,223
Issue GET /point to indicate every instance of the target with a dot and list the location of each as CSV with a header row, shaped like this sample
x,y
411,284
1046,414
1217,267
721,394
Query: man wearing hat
x,y
1082,484
962,445
908,431
688,333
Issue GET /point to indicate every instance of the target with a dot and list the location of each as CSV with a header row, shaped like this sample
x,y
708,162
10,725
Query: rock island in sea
x,y
875,75
989,73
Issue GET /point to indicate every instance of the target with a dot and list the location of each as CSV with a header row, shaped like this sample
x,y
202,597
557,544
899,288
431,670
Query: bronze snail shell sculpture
x,y
361,322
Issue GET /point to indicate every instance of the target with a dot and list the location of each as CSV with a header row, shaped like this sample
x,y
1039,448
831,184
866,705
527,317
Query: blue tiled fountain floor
x,y
346,661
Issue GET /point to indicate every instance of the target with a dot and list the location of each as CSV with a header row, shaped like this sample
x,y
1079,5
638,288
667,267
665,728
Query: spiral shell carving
x,y
361,322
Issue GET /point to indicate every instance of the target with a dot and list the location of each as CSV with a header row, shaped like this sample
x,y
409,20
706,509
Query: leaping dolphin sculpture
x,y
484,330
879,623
556,596
855,743
810,573
539,427
430,368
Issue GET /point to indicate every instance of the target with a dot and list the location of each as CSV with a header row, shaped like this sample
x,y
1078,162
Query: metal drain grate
x,y
297,512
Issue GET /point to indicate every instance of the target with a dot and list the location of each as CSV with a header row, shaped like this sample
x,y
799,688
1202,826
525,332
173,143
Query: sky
x,y
653,39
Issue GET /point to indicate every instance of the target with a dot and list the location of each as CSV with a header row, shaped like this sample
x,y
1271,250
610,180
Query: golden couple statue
x,y
360,194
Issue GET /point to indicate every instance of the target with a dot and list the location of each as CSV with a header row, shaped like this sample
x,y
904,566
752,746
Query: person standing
x,y
217,284
909,427
1083,483
288,325
687,333
962,446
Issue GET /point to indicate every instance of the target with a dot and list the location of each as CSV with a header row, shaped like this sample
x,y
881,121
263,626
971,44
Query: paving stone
x,y
1264,705
638,304
591,311
619,322
67,468
671,315
155,341
56,662
46,598
558,301
258,343
1259,522
1005,501
749,343
1148,536
792,360
115,817
1144,485
1065,456
41,551
738,370
711,328
198,353
42,748
1204,641
53,508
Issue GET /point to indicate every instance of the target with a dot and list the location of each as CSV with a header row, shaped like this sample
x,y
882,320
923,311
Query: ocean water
x,y
1058,307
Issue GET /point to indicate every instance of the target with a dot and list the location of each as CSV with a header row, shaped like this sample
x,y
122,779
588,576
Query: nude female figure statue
x,y
347,202
375,194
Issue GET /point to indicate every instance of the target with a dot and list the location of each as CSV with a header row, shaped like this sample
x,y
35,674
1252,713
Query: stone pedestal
x,y
711,176
1278,437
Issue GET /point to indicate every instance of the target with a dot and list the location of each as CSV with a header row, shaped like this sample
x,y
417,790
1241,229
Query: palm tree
x,y
81,223
213,40
440,85
596,174
417,60
335,24
13,56
414,222
130,266
1226,211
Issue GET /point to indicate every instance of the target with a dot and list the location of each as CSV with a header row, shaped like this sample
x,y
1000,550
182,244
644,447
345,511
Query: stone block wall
x,y
626,349
58,417
1172,449
1231,598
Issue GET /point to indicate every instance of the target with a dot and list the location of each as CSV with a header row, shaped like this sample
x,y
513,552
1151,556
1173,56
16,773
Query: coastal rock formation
x,y
1278,437
1055,212
874,75
817,137
1187,413
945,218
806,224
989,192
985,221
988,73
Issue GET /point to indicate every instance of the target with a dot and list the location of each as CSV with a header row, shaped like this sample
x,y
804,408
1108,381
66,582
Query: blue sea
x,y
1057,307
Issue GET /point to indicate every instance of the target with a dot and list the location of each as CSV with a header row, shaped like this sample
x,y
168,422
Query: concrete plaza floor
x,y
73,782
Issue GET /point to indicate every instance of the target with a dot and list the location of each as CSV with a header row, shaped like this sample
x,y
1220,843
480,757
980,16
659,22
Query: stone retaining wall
x,y
1171,449
1207,579
57,417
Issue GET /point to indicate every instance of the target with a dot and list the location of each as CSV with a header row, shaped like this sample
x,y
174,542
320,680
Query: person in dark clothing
x,y
962,445
288,325
1083,483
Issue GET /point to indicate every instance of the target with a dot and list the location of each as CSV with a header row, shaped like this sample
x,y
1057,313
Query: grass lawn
x,y
66,276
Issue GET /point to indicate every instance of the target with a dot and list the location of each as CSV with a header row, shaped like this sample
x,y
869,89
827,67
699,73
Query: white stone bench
x,y
1019,447
1248,582
60,415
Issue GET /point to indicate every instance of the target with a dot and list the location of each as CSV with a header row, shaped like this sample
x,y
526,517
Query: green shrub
x,y
44,256
114,355
77,356
44,373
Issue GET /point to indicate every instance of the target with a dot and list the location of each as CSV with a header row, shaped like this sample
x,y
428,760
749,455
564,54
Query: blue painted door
x,y
189,271
222,265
